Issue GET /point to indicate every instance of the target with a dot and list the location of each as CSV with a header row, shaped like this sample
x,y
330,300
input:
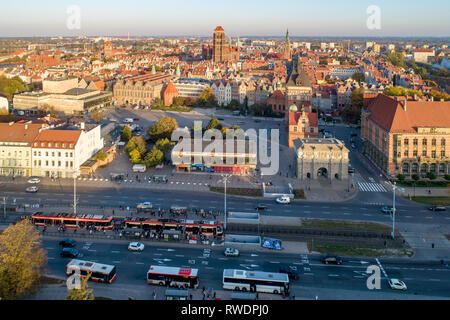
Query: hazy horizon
x,y
248,18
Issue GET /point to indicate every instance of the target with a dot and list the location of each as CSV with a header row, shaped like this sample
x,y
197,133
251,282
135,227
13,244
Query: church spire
x,y
287,37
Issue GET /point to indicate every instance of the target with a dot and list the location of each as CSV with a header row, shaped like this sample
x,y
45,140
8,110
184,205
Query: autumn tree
x,y
154,158
97,115
21,260
126,134
83,293
163,128
214,124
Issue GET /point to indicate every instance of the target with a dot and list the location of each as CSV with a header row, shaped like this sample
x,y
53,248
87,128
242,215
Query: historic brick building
x,y
220,51
142,89
303,124
402,135
170,93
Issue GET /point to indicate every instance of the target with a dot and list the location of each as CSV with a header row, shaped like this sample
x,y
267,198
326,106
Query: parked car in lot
x,y
32,189
69,253
136,246
396,284
145,205
231,252
283,200
387,210
34,180
67,243
261,207
128,120
291,272
437,208
329,259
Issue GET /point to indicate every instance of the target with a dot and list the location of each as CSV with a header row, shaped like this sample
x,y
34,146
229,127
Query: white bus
x,y
100,272
173,276
255,281
139,168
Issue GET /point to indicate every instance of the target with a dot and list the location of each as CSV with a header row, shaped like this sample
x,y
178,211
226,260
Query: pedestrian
x,y
154,295
293,297
190,296
214,295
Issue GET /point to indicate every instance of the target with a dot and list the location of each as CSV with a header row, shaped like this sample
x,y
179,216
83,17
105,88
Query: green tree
x,y
154,158
163,129
437,96
84,293
401,177
141,145
164,145
131,145
126,134
21,260
415,177
97,115
356,98
397,59
431,175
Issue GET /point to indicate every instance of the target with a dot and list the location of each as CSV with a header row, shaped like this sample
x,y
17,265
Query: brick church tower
x,y
219,44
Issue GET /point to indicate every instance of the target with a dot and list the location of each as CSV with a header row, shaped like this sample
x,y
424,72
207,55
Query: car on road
x,y
329,259
221,119
34,180
387,210
353,146
396,284
136,246
231,252
283,200
290,271
69,253
145,205
261,207
32,189
437,208
136,119
67,243
257,120
128,120
351,169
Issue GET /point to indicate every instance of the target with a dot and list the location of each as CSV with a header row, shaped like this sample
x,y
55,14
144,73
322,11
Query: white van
x,y
128,120
139,168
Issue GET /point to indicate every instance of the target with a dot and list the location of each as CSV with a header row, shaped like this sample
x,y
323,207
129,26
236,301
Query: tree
x,y
415,177
158,103
431,175
397,59
126,134
358,76
130,146
356,98
84,293
48,109
154,158
163,129
101,156
214,124
135,156
21,260
437,96
164,145
401,177
97,115
141,145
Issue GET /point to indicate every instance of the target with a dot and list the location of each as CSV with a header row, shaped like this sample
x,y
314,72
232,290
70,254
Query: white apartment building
x,y
222,92
190,88
60,153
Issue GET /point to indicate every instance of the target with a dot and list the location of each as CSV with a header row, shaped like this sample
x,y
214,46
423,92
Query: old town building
x,y
402,135
220,51
142,89
302,124
321,159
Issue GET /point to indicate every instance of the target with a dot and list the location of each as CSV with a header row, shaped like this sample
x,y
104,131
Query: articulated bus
x,y
207,228
173,276
100,272
255,281
71,220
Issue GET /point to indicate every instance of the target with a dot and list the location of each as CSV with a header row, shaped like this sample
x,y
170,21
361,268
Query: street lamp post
x,y
393,212
225,180
4,207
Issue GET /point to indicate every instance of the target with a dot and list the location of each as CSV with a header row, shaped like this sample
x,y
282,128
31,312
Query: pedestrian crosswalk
x,y
371,187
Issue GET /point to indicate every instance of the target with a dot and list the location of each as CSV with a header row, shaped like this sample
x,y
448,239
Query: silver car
x,y
231,252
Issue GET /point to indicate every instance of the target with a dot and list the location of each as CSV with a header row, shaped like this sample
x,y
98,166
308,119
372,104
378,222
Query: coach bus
x,y
100,272
173,277
255,281
71,220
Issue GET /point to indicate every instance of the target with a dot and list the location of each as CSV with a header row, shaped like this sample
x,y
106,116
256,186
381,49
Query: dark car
x,y
437,208
292,274
69,253
136,119
331,259
261,207
67,243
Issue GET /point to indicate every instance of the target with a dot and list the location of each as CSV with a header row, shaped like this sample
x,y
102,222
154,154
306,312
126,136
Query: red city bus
x,y
173,276
99,272
73,221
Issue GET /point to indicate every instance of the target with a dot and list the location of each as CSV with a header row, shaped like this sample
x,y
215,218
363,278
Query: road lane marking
x,y
381,267
333,275
115,251
139,263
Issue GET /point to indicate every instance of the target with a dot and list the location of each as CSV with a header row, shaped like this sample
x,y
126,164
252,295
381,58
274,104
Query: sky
x,y
323,18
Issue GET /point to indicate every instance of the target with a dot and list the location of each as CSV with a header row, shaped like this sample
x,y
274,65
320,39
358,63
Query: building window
x,y
424,153
433,154
416,142
442,168
46,154
424,142
406,142
442,153
415,153
433,142
433,167
406,153
443,142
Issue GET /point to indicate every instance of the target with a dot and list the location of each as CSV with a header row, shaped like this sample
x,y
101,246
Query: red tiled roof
x,y
61,137
219,28
171,89
312,117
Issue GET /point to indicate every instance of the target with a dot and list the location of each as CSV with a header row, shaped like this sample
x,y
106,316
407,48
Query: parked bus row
x,y
183,277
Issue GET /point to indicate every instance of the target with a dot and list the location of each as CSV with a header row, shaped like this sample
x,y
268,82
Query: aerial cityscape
x,y
225,151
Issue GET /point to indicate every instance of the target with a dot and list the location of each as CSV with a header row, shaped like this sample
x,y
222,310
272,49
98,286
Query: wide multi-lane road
x,y
407,212
316,279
